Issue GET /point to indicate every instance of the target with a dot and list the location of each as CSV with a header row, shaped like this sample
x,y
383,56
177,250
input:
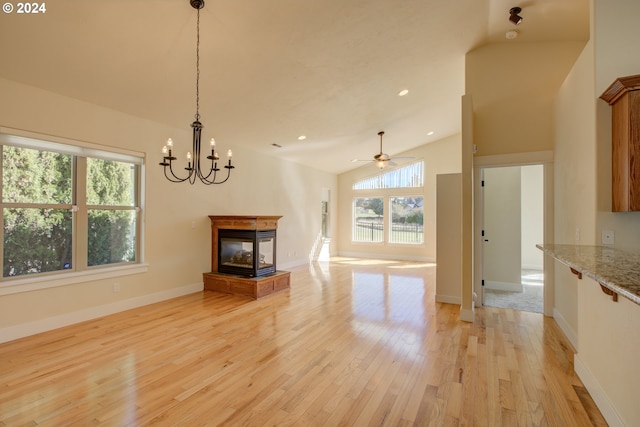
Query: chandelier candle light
x,y
194,169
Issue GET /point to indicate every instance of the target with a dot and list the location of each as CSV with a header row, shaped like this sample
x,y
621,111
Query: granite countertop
x,y
617,270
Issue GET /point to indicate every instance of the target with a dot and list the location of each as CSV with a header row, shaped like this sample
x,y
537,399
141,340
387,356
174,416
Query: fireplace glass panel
x,y
237,253
245,253
265,249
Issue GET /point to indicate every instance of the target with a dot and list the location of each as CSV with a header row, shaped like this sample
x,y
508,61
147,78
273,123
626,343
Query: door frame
x,y
544,158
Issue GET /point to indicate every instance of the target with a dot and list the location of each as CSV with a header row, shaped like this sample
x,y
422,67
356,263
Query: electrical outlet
x,y
116,288
608,237
577,234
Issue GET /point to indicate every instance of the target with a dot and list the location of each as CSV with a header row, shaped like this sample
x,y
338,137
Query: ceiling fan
x,y
382,159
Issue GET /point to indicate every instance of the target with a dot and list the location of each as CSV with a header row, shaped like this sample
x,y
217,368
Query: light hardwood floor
x,y
353,343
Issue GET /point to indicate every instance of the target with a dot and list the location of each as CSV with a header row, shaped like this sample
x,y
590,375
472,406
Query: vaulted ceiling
x,y
272,70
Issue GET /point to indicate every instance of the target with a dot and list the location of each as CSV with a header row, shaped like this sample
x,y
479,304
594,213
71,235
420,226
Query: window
x,y
36,199
66,207
111,212
407,216
404,216
410,176
368,219
325,219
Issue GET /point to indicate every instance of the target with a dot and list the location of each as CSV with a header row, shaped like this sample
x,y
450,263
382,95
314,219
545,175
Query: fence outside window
x,y
373,231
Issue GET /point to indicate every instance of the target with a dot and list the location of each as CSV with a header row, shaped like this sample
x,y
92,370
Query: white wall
x,y
449,238
513,86
442,156
176,253
607,359
532,214
575,179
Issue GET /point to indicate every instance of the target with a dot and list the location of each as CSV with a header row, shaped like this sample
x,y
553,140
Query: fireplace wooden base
x,y
254,287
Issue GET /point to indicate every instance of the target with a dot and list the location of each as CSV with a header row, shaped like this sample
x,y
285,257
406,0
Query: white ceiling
x,y
272,70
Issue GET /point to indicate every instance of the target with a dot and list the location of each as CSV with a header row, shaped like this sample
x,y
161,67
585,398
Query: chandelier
x,y
195,170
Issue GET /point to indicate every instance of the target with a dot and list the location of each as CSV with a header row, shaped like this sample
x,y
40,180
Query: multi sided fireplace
x,y
243,256
244,245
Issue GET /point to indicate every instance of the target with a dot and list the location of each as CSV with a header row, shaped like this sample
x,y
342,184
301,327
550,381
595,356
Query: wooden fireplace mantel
x,y
254,287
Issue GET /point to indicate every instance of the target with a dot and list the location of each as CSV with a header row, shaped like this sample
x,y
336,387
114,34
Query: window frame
x,y
80,271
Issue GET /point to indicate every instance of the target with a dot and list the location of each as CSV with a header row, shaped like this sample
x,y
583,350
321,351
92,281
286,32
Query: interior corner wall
x,y
442,156
176,224
575,178
513,86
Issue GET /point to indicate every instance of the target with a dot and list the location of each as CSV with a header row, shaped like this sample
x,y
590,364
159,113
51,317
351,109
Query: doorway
x,y
513,223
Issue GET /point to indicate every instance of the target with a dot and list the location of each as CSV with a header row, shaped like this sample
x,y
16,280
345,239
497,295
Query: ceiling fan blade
x,y
383,158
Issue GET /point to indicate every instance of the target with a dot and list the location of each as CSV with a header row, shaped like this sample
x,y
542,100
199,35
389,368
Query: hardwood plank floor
x,y
353,343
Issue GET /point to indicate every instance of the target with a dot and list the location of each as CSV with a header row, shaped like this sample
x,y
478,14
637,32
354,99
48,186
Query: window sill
x,y
63,279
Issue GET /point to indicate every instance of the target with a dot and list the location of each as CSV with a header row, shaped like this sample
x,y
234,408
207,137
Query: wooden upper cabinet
x,y
624,97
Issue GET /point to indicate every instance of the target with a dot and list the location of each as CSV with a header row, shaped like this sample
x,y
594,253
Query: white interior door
x,y
502,228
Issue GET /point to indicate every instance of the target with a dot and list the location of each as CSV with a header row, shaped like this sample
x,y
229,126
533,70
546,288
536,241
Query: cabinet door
x,y
626,153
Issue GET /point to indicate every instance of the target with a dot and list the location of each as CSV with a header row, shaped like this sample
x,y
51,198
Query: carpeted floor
x,y
529,300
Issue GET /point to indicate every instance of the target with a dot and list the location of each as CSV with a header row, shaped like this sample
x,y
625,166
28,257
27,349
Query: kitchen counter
x,y
617,272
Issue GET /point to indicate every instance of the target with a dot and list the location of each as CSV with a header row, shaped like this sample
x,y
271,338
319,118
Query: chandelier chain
x,y
198,67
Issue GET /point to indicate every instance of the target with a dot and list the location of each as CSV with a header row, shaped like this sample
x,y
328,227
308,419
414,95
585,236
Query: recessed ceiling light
x,y
403,92
510,35
430,133
302,138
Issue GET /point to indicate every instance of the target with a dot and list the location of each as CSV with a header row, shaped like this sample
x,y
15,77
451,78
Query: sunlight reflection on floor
x,y
386,262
